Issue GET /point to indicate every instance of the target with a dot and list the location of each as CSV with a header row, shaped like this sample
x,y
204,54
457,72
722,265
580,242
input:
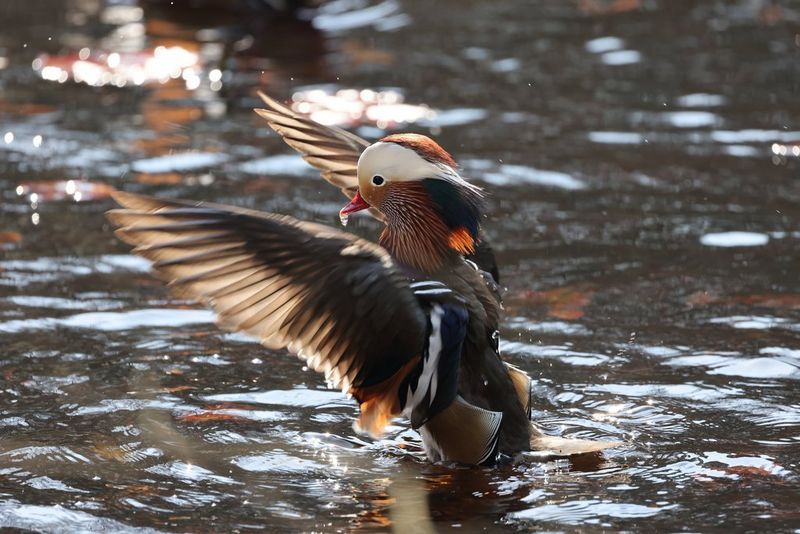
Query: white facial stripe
x,y
395,163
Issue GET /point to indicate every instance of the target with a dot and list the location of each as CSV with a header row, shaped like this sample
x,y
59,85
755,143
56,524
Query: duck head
x,y
431,213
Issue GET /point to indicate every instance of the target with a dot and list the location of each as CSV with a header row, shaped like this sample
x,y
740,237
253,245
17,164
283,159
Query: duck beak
x,y
357,203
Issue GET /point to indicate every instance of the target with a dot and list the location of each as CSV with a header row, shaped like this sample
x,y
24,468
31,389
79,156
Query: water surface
x,y
643,162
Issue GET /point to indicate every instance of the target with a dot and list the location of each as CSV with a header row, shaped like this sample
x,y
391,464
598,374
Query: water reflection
x,y
98,68
639,184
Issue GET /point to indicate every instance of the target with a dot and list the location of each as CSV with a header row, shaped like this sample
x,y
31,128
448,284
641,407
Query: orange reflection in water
x,y
55,190
100,67
567,303
9,239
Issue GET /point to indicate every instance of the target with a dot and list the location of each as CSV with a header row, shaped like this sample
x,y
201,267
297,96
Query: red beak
x,y
356,204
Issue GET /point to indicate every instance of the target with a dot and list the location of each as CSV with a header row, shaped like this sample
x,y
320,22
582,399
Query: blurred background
x,y
643,164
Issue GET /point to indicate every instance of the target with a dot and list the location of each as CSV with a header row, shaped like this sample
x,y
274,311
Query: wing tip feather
x,y
138,202
264,114
129,200
274,104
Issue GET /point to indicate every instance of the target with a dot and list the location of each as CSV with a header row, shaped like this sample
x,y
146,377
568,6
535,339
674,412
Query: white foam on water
x,y
781,351
505,65
734,239
554,327
616,138
287,397
660,351
282,164
276,463
580,511
128,405
691,119
127,262
179,162
521,174
753,136
753,322
757,368
115,321
58,303
738,365
21,272
59,519
189,472
47,483
476,53
604,44
555,352
676,391
453,117
700,100
742,151
338,17
47,265
89,157
621,57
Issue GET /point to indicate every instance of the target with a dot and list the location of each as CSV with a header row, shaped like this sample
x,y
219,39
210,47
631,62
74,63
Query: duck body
x,y
432,219
408,326
484,380
475,413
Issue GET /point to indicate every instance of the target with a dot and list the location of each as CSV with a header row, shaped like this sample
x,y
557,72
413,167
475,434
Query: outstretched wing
x,y
333,151
335,300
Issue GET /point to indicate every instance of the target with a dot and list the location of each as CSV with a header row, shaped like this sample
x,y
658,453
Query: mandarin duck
x,y
407,326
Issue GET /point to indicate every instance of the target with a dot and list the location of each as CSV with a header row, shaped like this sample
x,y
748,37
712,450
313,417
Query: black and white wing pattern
x,y
452,429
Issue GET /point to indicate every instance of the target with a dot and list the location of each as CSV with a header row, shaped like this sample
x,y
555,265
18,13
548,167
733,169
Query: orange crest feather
x,y
461,240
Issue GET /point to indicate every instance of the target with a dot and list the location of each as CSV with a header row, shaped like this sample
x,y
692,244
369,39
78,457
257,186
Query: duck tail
x,y
522,386
551,446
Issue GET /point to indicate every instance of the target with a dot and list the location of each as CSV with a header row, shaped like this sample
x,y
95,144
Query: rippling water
x,y
643,160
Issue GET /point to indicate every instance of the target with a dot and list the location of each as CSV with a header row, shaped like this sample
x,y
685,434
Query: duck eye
x,y
378,180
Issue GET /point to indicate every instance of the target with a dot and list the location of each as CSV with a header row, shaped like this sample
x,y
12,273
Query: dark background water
x,y
642,159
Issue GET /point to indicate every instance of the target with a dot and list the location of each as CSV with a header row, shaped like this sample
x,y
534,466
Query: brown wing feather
x,y
333,151
336,300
